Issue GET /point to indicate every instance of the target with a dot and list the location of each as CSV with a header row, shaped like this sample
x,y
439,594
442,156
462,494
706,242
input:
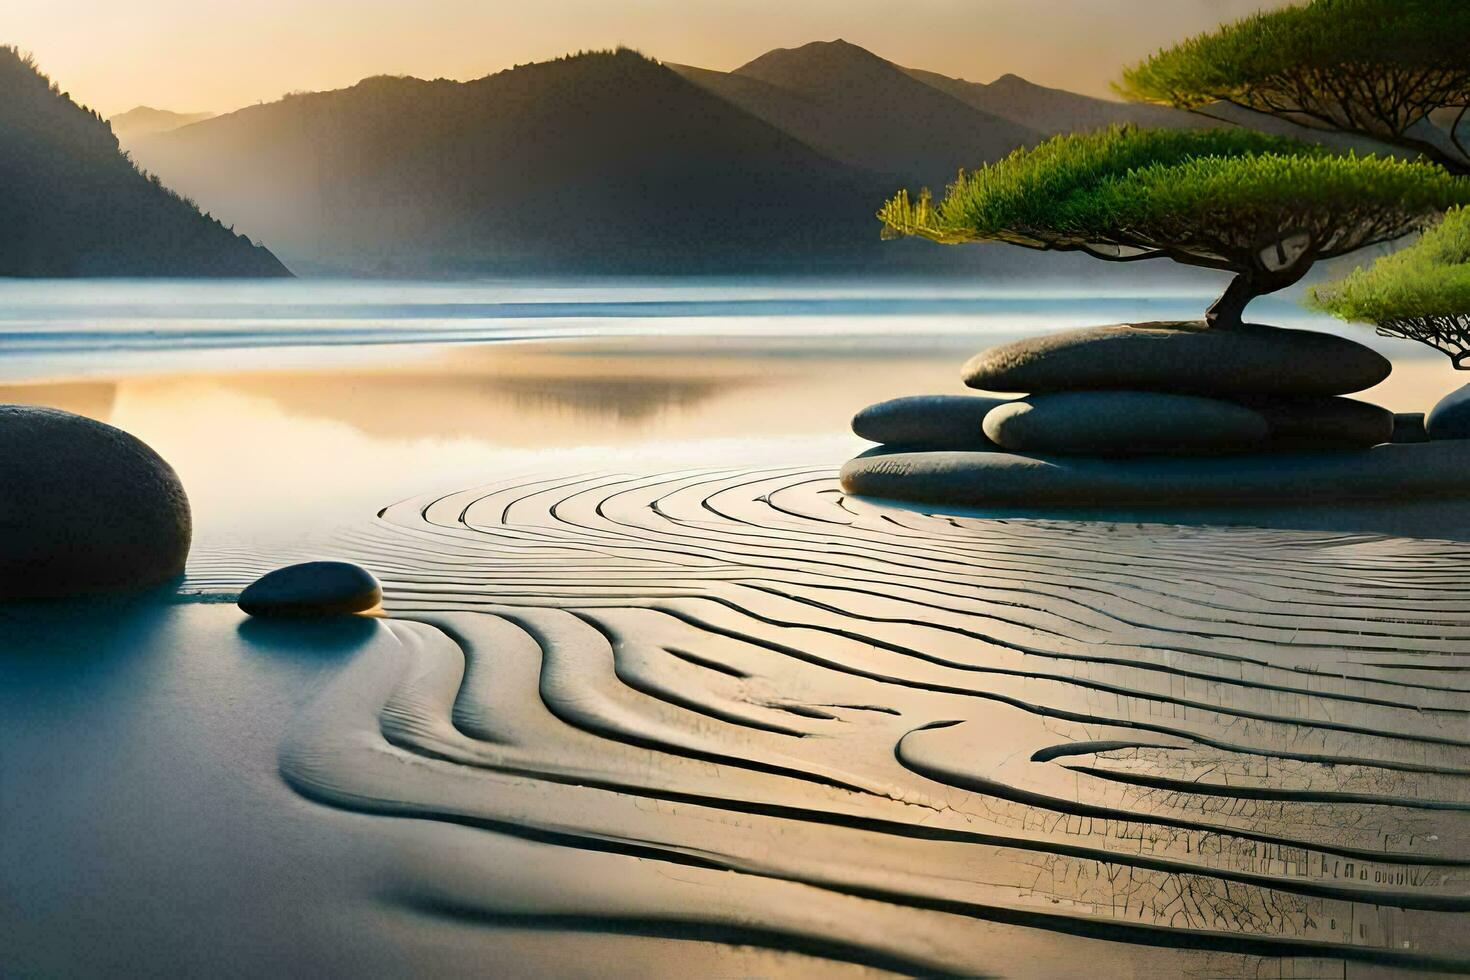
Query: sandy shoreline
x,y
652,693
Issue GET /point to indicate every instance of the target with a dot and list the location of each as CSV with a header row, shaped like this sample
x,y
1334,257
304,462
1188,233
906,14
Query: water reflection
x,y
279,453
94,399
288,451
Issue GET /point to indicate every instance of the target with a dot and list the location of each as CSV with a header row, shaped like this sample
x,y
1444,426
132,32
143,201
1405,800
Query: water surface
x,y
50,328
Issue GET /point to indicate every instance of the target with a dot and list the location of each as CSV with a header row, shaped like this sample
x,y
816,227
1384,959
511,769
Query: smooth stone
x,y
1409,427
85,508
313,588
1387,472
1324,422
1181,356
927,421
1124,423
1450,418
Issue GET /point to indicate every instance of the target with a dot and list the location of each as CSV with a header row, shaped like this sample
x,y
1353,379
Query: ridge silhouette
x,y
73,204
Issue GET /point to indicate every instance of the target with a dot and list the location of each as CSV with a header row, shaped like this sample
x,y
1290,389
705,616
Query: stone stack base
x,y
1161,413
999,479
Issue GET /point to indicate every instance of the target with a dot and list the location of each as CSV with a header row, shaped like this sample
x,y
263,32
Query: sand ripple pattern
x,y
741,705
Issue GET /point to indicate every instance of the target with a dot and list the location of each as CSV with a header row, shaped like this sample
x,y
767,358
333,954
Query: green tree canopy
x,y
1395,70
1421,293
1263,207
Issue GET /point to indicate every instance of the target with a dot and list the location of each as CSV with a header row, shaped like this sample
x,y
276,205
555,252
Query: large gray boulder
x,y
84,508
1110,423
1324,422
928,421
1184,357
312,588
1388,472
1450,418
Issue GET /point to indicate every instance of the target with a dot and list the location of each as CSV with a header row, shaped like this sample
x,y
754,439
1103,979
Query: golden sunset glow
x,y
194,55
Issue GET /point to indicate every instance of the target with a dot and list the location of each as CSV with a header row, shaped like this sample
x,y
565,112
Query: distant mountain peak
x,y
813,56
146,120
1051,110
836,44
148,111
858,107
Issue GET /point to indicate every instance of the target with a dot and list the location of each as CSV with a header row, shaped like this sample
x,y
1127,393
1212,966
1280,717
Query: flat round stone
x,y
1324,422
1450,419
1186,357
1104,423
313,588
999,479
84,508
927,421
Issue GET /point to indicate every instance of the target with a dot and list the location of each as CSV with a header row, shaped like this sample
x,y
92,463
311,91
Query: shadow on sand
x,y
1436,519
317,640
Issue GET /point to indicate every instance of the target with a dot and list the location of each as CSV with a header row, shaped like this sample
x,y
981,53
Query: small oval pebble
x,y
314,588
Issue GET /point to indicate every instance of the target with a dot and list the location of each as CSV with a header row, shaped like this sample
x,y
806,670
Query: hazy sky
x,y
218,55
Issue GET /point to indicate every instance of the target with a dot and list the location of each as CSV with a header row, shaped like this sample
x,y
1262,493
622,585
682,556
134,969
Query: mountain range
x,y
604,161
854,107
613,162
610,161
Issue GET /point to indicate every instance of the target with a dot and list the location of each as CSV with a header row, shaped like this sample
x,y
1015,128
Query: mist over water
x,y
54,328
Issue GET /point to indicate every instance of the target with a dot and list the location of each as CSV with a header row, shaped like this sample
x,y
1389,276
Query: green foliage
x,y
1430,278
1376,67
1050,187
1216,198
1421,293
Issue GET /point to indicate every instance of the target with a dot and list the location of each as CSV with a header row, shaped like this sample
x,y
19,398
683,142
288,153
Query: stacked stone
x,y
1175,388
1137,411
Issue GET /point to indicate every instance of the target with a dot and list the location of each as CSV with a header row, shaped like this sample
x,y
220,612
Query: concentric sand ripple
x,y
743,704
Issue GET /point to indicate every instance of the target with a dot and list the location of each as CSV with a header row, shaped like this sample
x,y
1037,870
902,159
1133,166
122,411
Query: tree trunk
x,y
1225,312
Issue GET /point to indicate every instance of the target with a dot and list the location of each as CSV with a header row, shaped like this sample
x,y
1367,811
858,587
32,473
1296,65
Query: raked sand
x,y
665,700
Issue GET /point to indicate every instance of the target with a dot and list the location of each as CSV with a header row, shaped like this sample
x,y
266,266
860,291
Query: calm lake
x,y
299,404
61,328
